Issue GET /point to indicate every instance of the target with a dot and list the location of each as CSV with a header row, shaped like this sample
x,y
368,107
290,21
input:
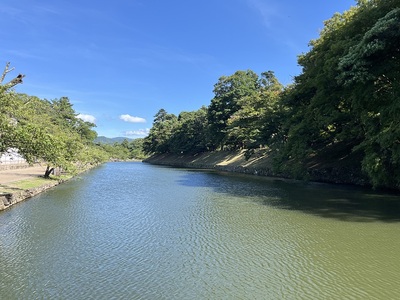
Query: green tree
x,y
346,95
158,140
42,133
228,91
253,124
136,149
370,73
45,131
191,134
8,106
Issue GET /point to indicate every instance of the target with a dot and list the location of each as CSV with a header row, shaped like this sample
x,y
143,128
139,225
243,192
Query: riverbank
x,y
259,164
21,182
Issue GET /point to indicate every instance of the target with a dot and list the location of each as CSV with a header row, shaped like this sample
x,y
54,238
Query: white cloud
x,y
140,132
130,119
87,118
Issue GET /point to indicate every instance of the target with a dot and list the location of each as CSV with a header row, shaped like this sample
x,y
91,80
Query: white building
x,y
11,156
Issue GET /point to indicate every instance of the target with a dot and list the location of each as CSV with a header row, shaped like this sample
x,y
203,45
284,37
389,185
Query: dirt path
x,y
7,176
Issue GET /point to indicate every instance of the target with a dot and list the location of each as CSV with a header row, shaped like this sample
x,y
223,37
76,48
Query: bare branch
x,y
6,70
15,81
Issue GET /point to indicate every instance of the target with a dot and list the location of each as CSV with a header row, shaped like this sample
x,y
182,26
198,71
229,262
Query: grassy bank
x,y
19,190
25,184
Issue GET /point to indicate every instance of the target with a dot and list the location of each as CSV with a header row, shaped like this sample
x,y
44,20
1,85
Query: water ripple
x,y
129,231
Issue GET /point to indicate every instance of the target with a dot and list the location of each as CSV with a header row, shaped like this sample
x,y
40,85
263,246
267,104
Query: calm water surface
x,y
136,231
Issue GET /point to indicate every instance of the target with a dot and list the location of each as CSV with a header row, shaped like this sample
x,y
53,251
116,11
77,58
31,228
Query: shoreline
x,y
9,198
257,165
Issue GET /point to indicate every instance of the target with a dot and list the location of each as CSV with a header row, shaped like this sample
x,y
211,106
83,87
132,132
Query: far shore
x,y
258,164
23,181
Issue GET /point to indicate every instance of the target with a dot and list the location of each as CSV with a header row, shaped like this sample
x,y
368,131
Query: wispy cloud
x,y
267,9
34,15
47,10
131,119
140,132
278,23
25,54
87,118
10,10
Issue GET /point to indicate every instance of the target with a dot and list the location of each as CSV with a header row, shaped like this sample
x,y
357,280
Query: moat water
x,y
137,231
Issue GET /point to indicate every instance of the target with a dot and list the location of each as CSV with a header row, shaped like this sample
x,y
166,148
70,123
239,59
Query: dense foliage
x,y
47,131
343,107
50,132
125,150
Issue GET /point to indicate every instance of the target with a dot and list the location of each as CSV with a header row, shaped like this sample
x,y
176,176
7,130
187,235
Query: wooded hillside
x,y
344,107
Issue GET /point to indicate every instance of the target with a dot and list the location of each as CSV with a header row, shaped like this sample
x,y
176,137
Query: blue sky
x,y
120,61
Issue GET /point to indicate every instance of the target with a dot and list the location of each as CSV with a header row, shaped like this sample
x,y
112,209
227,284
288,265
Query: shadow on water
x,y
345,203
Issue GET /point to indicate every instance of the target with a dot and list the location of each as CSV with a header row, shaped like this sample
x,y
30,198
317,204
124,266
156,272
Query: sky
x,y
119,62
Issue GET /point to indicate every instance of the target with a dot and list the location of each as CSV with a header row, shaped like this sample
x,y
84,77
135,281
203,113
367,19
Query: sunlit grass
x,y
30,183
23,184
26,184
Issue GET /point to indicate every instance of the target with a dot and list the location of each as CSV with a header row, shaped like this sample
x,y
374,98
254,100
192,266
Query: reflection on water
x,y
341,202
135,231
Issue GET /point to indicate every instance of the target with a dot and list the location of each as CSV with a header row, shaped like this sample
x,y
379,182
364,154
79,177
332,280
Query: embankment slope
x,y
259,164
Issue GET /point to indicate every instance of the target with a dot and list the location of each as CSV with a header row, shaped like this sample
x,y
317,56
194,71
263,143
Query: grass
x,y
26,184
21,185
30,183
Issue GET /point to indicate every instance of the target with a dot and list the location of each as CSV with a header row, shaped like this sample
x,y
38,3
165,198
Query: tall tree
x,y
8,108
228,91
158,140
347,84
191,134
370,73
253,123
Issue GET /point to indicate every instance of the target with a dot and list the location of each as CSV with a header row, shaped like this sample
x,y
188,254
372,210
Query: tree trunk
x,y
48,172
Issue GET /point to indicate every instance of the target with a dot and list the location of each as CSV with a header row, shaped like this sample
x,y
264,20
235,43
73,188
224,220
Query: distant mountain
x,y
106,140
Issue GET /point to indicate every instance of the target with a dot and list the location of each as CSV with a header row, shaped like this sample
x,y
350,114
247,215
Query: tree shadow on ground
x,y
341,202
9,189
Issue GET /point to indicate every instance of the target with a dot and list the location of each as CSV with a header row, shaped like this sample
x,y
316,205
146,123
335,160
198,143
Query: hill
x,y
106,140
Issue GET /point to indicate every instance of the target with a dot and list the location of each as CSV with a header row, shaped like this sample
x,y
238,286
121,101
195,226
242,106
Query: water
x,y
136,231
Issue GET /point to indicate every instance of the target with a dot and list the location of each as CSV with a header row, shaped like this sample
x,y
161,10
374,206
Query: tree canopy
x,y
47,131
343,108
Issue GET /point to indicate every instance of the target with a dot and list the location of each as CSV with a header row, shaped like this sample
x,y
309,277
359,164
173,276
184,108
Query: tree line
x,y
50,132
343,108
